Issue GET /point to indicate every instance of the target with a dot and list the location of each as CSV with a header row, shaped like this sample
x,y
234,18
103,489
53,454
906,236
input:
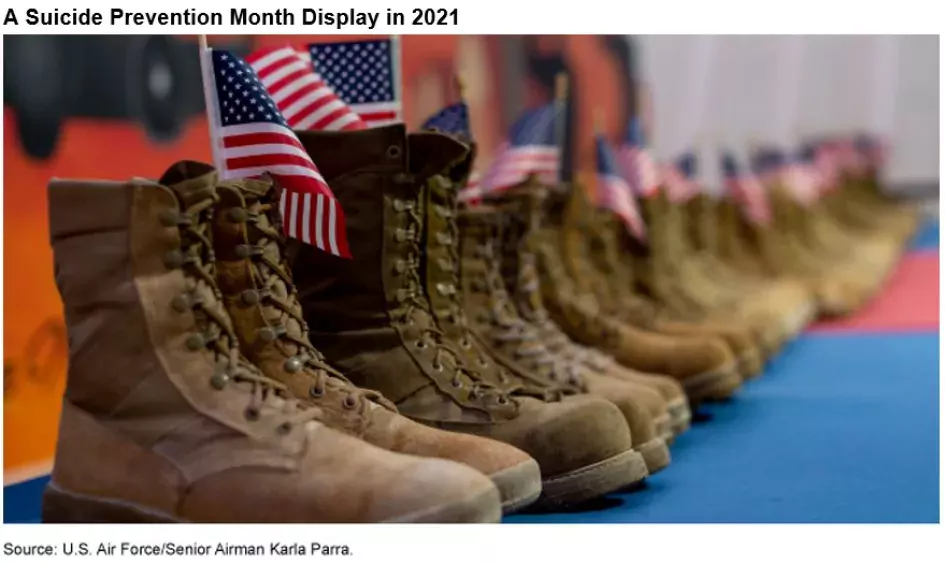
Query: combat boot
x,y
262,301
165,421
662,273
671,414
371,318
705,367
518,346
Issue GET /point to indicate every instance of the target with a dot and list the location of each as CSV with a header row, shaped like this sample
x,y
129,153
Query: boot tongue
x,y
192,181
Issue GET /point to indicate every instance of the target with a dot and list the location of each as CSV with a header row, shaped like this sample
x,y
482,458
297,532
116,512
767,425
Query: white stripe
x,y
332,244
307,218
293,87
318,114
319,211
342,121
309,99
294,218
278,170
282,203
285,71
250,128
377,107
380,122
255,150
274,57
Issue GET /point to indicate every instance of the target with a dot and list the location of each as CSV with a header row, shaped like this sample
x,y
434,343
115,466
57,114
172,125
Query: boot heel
x,y
60,506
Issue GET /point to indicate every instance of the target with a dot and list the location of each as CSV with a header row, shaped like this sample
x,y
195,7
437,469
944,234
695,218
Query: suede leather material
x,y
141,423
346,408
384,198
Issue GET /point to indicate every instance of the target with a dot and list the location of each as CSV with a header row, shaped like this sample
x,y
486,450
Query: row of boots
x,y
468,361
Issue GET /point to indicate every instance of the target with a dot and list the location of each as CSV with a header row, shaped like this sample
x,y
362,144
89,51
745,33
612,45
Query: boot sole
x,y
655,454
60,506
519,486
664,428
680,416
592,481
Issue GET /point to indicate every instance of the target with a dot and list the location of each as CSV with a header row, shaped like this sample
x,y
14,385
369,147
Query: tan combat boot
x,y
164,421
517,345
267,317
371,318
705,367
664,397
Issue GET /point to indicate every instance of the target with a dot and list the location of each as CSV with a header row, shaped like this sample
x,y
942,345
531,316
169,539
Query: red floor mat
x,y
909,302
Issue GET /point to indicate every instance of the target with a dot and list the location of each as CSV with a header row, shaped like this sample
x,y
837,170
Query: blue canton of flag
x,y
452,120
365,74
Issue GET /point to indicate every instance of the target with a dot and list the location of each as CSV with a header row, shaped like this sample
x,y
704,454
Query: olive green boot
x,y
371,318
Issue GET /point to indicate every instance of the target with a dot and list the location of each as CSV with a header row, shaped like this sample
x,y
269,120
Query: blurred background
x,y
120,106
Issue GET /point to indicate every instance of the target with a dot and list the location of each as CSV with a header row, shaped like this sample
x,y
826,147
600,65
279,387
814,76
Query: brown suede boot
x,y
164,421
263,303
371,318
522,215
517,345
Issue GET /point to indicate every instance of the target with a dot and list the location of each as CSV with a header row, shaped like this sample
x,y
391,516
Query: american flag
x,y
365,74
746,190
874,150
530,149
800,177
641,170
304,99
828,163
454,120
252,139
613,192
678,178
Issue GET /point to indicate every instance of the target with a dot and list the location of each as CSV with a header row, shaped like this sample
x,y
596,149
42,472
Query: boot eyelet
x,y
438,367
251,414
267,334
284,429
503,400
316,392
465,344
482,363
173,259
350,402
181,303
219,380
393,152
456,384
293,364
250,297
421,344
195,342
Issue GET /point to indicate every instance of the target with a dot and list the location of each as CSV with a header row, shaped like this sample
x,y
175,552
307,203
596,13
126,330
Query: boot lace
x,y
508,327
196,259
415,306
273,277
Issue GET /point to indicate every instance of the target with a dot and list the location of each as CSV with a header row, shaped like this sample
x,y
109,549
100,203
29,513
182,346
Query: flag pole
x,y
396,58
210,100
460,86
561,125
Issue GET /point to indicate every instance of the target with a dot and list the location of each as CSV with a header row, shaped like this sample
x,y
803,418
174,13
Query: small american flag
x,y
641,170
613,192
530,149
454,120
801,178
828,163
304,99
678,178
873,149
365,74
252,139
746,190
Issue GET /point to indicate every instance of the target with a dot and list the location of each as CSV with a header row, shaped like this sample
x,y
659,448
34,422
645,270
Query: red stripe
x,y
301,93
332,116
269,159
266,138
378,116
276,66
288,79
312,108
265,51
354,125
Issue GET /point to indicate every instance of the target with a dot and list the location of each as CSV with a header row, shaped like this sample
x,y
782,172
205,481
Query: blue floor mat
x,y
927,237
842,428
